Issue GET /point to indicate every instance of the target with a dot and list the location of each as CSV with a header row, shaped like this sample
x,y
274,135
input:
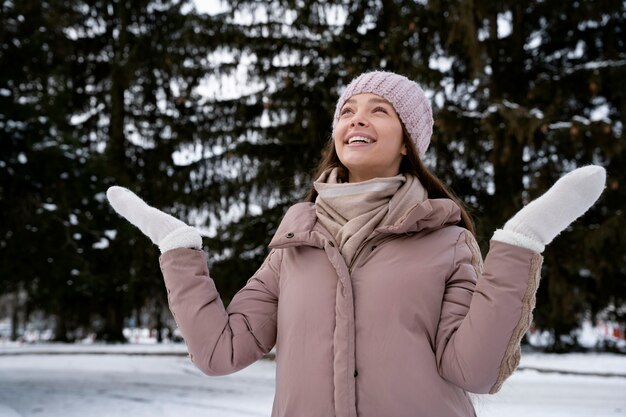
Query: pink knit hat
x,y
407,98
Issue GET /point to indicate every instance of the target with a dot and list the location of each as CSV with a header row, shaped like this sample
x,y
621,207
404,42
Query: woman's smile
x,y
355,140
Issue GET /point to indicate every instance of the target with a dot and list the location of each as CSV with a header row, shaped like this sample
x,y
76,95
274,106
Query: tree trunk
x,y
158,319
60,331
113,331
14,319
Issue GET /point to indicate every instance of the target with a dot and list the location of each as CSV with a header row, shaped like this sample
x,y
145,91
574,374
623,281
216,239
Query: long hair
x,y
411,164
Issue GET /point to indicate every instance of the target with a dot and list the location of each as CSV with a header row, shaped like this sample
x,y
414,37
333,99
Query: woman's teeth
x,y
358,139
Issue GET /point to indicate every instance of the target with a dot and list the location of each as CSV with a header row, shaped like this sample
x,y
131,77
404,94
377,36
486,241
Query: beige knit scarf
x,y
351,211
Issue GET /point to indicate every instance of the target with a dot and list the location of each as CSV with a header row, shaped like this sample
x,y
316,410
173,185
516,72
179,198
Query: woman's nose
x,y
358,120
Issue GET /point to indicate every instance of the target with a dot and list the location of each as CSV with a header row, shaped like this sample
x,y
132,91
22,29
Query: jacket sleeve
x,y
221,341
485,313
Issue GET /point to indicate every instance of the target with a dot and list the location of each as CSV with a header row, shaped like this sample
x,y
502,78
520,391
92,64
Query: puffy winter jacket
x,y
407,330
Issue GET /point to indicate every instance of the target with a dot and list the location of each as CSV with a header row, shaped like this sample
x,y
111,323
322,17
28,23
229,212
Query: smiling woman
x,y
375,111
369,138
374,292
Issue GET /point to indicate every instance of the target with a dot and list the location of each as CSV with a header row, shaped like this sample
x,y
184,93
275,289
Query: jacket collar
x,y
300,226
429,215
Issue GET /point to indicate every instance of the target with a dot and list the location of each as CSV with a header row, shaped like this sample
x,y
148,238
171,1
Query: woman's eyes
x,y
374,110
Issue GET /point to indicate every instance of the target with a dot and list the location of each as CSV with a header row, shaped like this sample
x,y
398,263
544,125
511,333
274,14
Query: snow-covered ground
x,y
144,380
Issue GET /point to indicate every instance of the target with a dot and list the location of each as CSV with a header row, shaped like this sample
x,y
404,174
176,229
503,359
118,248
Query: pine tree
x,y
300,58
523,92
539,90
99,93
38,241
518,90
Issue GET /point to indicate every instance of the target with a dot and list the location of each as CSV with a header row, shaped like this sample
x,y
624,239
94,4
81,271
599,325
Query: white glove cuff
x,y
183,237
517,239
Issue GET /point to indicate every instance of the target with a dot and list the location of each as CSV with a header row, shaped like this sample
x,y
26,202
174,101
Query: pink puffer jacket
x,y
408,330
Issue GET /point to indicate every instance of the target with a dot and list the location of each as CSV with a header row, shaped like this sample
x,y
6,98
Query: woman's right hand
x,y
164,230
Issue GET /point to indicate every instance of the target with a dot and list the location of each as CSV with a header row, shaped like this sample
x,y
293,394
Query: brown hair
x,y
411,164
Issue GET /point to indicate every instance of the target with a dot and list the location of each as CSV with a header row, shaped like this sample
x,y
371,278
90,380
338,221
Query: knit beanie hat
x,y
407,98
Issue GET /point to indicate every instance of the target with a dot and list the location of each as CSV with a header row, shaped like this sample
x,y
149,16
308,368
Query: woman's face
x,y
368,138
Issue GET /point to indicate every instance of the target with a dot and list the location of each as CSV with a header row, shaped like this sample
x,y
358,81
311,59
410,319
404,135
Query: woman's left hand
x,y
540,221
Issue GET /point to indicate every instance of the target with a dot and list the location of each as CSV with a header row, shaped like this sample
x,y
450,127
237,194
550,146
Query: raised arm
x,y
478,339
219,340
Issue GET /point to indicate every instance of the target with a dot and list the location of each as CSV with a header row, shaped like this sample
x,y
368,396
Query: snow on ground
x,y
122,385
13,348
153,380
532,393
590,363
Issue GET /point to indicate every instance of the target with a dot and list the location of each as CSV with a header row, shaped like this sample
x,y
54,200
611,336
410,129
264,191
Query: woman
x,y
374,291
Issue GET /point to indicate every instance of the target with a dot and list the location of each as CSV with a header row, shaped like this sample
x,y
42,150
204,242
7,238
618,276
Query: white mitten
x,y
164,230
540,221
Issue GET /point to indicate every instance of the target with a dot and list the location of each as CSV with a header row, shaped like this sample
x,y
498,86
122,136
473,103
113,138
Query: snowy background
x,y
41,379
159,380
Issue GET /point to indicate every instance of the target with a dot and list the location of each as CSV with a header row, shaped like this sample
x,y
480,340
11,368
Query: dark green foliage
x,y
106,92
532,119
94,94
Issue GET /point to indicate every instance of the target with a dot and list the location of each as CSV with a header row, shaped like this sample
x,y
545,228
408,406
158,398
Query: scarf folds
x,y
352,211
